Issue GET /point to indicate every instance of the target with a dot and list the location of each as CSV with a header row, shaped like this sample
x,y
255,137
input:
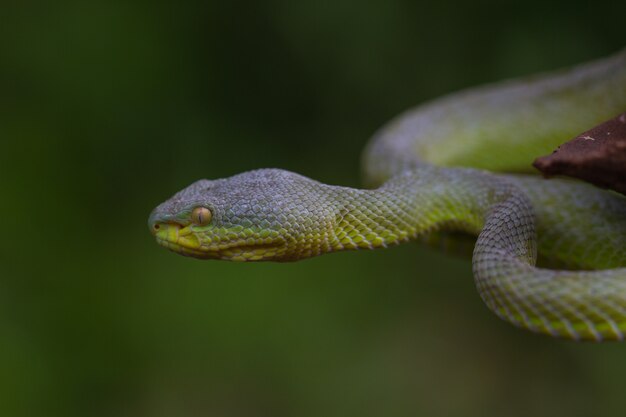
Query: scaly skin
x,y
275,215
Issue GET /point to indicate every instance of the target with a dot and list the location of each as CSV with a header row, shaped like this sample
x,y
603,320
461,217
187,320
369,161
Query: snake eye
x,y
201,216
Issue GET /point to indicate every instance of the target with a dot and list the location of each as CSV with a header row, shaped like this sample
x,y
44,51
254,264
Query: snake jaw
x,y
193,241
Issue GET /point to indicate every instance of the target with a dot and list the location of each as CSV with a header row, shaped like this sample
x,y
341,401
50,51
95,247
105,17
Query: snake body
x,y
435,172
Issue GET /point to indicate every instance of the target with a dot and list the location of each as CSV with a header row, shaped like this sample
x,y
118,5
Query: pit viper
x,y
455,166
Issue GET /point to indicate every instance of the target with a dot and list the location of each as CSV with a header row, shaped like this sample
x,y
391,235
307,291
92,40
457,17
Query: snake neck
x,y
414,205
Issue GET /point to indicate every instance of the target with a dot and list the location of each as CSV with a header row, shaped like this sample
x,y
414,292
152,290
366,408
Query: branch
x,y
597,156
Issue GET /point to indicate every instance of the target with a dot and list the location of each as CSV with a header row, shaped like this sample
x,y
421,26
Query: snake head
x,y
261,215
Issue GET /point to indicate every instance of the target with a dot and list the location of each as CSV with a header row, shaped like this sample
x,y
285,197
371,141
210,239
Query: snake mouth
x,y
184,241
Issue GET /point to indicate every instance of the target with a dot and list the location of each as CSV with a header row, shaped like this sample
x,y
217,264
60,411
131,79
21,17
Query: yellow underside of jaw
x,y
184,241
175,247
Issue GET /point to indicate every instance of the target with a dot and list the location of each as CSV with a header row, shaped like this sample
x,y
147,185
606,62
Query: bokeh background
x,y
109,107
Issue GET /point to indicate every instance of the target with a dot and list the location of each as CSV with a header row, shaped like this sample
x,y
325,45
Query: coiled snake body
x,y
435,171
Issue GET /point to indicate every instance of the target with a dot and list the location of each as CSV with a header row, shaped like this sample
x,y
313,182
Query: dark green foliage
x,y
107,108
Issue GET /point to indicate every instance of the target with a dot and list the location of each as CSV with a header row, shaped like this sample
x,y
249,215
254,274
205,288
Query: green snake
x,y
435,168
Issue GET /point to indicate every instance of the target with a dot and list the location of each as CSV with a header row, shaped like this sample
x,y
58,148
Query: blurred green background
x,y
109,107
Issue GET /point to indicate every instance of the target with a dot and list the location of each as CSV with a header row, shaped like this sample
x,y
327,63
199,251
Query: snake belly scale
x,y
441,168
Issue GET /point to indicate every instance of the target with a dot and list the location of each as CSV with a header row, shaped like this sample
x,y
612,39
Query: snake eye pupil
x,y
201,216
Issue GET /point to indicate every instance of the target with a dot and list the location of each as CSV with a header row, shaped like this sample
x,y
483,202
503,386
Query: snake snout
x,y
154,222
